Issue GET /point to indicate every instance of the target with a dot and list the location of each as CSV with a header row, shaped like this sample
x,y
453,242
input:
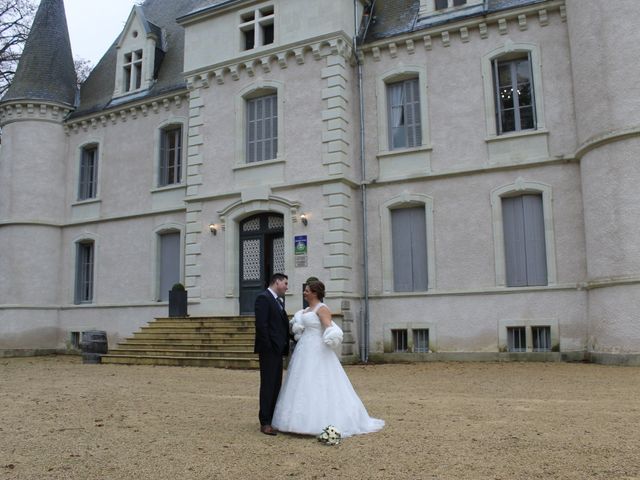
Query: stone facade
x,y
199,70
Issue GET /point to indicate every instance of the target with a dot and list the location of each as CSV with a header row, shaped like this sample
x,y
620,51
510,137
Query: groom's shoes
x,y
267,430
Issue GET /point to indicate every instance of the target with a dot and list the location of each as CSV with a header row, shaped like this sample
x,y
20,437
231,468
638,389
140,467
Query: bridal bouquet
x,y
330,436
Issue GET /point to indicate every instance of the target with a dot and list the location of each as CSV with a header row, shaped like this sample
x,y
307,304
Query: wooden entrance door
x,y
261,255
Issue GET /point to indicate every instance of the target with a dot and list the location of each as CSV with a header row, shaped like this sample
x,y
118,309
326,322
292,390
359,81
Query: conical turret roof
x,y
46,70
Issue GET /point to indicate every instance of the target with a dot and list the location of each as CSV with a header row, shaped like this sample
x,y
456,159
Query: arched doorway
x,y
261,255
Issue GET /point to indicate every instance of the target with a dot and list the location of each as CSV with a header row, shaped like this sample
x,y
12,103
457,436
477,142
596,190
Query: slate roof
x,y
46,70
396,17
97,91
393,17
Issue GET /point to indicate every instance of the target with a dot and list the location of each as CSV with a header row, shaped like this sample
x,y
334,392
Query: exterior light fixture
x,y
304,220
213,228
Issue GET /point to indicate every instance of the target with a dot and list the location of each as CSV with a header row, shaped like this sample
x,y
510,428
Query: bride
x,y
317,392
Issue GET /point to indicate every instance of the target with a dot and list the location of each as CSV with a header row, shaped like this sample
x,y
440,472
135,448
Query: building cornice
x,y
443,35
33,110
129,111
605,138
337,43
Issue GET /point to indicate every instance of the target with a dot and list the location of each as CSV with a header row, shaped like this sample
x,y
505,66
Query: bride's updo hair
x,y
317,287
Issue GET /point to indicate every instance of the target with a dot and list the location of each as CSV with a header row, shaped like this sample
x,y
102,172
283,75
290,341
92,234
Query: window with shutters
x,y
403,100
88,174
524,240
84,272
409,245
523,234
170,164
261,128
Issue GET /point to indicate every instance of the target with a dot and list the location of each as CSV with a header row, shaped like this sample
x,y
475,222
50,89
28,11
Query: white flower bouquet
x,y
330,436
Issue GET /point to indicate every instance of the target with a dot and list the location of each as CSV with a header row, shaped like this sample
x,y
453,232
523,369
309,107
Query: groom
x,y
272,343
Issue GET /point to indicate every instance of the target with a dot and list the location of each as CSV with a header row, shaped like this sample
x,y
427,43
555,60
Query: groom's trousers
x,y
271,364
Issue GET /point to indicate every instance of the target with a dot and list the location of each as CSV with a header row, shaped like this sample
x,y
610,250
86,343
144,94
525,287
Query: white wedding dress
x,y
317,392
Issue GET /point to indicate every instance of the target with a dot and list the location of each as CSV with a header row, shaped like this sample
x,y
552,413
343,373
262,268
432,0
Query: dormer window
x,y
257,28
431,7
132,71
444,4
141,49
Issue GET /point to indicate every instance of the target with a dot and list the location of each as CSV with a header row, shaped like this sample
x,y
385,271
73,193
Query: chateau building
x,y
461,174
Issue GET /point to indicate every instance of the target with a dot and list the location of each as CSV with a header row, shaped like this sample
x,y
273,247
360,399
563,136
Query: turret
x,y
603,49
33,162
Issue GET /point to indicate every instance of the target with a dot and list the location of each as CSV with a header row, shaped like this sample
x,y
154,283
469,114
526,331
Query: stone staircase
x,y
224,342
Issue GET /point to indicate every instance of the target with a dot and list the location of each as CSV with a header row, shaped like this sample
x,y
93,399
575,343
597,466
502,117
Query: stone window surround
x,y
155,258
399,201
257,23
80,149
253,90
527,323
157,140
401,72
510,47
80,238
520,187
387,336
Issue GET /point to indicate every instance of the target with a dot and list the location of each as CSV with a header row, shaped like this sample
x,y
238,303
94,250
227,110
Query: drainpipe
x,y
364,317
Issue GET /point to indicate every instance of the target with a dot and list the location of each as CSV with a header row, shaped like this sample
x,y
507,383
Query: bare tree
x,y
16,17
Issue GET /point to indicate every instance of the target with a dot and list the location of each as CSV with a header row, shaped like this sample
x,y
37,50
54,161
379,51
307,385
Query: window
x,y
399,339
261,128
132,70
257,28
88,178
524,240
421,340
84,272
443,4
515,106
170,156
541,339
169,270
409,249
403,99
516,339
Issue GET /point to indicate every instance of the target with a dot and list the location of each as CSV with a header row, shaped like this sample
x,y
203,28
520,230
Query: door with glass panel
x,y
261,255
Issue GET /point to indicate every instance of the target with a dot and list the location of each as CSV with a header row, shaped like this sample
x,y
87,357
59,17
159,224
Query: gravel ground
x,y
64,420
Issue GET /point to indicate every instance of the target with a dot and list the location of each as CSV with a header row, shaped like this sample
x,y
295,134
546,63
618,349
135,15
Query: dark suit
x,y
272,343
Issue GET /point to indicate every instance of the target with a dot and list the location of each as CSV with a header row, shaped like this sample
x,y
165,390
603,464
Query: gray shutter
x,y
514,245
163,175
535,245
524,241
169,262
419,249
84,272
409,249
251,131
412,110
401,246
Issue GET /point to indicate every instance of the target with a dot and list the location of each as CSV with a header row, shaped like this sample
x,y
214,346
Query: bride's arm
x,y
325,316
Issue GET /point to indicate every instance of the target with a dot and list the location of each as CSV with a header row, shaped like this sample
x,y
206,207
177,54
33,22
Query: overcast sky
x,y
95,24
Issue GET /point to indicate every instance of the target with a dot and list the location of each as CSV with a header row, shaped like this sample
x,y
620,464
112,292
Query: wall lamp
x,y
304,220
213,228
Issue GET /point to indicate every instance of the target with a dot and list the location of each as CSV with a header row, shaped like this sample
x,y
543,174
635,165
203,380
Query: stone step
x,y
202,323
153,328
185,345
177,352
210,336
218,362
